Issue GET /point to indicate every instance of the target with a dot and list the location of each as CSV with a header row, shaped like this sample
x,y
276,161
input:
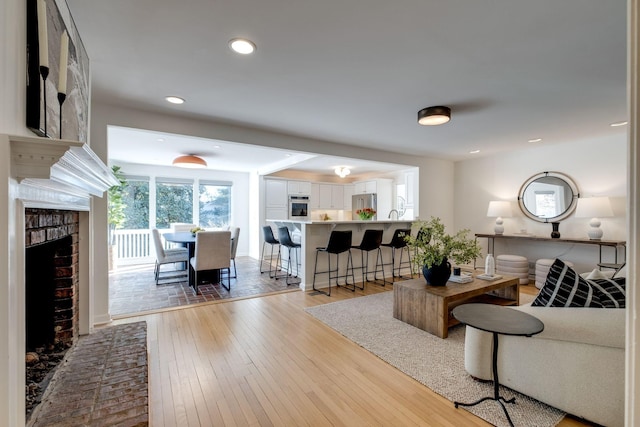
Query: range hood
x,y
57,172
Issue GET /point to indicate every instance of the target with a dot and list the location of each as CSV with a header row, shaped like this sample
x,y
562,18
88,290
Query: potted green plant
x,y
433,248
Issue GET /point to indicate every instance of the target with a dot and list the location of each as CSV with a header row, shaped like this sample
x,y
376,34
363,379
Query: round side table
x,y
498,320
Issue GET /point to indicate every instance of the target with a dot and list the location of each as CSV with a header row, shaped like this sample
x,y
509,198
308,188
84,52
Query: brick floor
x,y
134,290
102,382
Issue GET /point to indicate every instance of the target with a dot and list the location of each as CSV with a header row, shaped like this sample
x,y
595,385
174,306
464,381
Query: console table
x,y
615,244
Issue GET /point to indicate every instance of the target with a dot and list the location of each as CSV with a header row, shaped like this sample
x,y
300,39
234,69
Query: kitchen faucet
x,y
392,211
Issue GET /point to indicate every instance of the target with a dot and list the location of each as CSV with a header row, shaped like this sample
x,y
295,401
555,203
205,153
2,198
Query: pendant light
x,y
189,161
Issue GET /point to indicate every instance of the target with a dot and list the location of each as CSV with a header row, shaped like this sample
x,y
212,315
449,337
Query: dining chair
x,y
166,256
235,234
178,227
212,253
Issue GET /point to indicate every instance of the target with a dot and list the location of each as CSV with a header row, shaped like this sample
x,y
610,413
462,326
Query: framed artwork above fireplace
x,y
46,114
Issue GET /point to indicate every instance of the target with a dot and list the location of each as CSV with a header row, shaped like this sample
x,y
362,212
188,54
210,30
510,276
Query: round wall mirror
x,y
548,197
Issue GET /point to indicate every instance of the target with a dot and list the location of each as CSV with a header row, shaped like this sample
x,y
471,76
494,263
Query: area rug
x,y
437,363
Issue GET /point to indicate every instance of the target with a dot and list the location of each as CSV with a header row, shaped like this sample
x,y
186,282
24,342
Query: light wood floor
x,y
264,361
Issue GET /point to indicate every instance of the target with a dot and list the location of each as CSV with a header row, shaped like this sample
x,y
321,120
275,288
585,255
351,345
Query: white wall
x,y
12,121
597,166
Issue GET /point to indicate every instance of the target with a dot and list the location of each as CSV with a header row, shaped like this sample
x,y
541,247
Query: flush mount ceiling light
x,y
535,140
342,171
242,46
432,116
189,161
174,99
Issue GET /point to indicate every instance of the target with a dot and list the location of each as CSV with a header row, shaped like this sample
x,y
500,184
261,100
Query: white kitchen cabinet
x,y
331,196
299,188
277,213
409,185
348,192
314,200
337,197
275,194
366,187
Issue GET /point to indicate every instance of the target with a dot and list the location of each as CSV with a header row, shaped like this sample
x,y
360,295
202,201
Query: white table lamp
x,y
499,209
594,208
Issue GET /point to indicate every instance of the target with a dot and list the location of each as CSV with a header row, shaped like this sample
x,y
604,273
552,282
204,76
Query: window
x,y
136,200
214,204
174,202
546,204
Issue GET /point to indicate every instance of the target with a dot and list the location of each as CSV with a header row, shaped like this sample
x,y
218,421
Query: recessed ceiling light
x,y
535,140
474,152
613,125
174,100
287,155
242,46
160,139
216,146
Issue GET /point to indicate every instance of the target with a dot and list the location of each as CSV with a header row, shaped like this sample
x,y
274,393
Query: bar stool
x,y
339,242
398,243
285,240
269,238
371,241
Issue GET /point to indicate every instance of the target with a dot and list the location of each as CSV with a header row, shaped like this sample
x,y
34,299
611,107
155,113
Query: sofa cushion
x,y
580,325
611,292
565,288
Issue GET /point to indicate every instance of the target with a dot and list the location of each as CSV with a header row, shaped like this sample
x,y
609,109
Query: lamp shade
x,y
190,161
593,207
499,209
432,116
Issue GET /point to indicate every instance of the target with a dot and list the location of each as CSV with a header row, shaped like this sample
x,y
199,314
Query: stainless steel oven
x,y
299,207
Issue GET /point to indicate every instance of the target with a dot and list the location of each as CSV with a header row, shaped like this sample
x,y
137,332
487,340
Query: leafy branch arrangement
x,y
432,245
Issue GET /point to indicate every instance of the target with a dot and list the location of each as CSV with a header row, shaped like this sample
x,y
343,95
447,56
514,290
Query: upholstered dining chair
x,y
235,234
166,256
213,252
178,227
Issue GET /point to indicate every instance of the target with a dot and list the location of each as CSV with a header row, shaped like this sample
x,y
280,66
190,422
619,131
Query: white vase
x,y
489,265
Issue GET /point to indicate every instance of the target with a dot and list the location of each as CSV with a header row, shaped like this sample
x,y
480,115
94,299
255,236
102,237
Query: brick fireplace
x,y
47,182
51,270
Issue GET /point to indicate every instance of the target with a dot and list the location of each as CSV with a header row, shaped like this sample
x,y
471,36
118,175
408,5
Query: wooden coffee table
x,y
429,307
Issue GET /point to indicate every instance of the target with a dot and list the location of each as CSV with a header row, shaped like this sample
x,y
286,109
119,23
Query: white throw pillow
x,y
596,275
622,272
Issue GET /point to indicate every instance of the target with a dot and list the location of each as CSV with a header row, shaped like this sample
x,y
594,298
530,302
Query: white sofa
x,y
576,364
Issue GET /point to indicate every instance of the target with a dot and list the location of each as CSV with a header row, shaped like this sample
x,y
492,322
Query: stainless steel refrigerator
x,y
361,201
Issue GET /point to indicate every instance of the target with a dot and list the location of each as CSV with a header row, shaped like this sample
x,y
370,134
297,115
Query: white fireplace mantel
x,y
57,173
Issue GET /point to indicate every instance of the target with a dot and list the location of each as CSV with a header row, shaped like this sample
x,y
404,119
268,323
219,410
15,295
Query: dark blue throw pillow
x,y
565,288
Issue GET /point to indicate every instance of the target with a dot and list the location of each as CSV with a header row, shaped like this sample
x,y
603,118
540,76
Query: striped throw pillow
x,y
612,292
563,287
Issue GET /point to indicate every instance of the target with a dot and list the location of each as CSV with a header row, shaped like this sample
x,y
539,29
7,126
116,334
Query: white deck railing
x,y
135,247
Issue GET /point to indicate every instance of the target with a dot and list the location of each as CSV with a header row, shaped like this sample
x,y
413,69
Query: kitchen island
x,y
314,234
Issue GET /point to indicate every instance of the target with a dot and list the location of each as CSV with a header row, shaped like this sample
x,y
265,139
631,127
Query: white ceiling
x,y
357,71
